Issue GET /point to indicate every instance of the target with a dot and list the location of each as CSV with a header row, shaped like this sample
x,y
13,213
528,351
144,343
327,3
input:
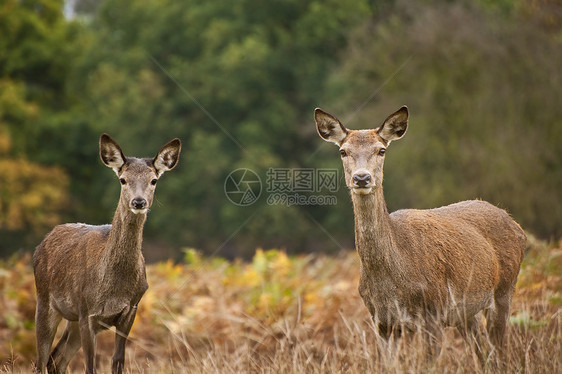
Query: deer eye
x,y
343,153
153,182
123,181
382,151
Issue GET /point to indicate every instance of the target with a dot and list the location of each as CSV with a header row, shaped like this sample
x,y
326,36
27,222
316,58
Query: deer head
x,y
362,151
138,176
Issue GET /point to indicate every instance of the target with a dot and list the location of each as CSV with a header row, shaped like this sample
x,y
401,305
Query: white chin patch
x,y
139,211
362,191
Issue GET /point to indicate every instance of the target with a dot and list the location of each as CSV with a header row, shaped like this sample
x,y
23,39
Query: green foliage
x,y
32,195
237,82
192,257
36,51
233,82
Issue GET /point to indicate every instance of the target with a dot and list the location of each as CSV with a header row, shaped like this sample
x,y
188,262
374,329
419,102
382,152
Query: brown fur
x,y
94,276
439,265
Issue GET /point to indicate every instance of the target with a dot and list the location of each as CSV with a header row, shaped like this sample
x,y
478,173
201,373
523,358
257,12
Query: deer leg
x,y
65,349
88,340
46,322
432,333
496,322
123,326
473,335
470,329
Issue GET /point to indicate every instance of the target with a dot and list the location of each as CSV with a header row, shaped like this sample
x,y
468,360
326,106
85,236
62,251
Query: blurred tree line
x,y
238,81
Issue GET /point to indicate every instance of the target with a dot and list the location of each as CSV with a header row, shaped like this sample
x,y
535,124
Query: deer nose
x,y
139,203
361,179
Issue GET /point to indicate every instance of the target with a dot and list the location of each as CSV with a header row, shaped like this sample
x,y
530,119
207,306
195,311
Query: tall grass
x,y
284,315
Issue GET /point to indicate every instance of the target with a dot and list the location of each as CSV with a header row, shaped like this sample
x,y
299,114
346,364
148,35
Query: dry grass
x,y
280,314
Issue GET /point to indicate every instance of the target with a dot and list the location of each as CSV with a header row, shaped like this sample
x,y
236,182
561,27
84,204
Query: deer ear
x,y
329,127
111,154
395,126
167,157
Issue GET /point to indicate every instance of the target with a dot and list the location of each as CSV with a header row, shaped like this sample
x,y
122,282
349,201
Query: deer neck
x,y
123,248
374,239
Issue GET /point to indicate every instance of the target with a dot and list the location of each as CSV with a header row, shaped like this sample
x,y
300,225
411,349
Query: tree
x,y
34,60
31,195
236,82
485,115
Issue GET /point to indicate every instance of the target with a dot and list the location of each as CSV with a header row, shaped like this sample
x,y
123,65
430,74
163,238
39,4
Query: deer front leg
x,y
66,348
88,340
123,326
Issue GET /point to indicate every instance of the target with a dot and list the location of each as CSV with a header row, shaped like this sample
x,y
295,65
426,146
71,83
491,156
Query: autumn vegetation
x,y
280,313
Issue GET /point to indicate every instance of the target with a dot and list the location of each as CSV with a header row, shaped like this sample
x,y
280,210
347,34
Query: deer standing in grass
x,y
440,265
94,276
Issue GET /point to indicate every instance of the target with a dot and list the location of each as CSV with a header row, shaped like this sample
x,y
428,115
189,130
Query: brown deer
x,y
94,276
439,266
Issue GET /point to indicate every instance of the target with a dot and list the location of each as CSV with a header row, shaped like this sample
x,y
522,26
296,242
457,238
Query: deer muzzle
x,y
362,182
139,205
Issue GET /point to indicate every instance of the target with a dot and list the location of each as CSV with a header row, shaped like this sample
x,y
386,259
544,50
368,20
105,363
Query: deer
x,y
94,276
440,266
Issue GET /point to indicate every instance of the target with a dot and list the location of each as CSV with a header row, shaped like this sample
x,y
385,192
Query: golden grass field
x,y
281,314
